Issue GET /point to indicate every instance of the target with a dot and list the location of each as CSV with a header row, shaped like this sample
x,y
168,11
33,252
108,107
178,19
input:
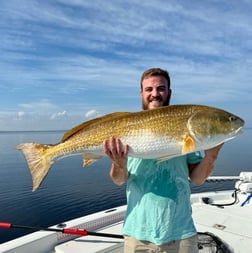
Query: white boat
x,y
223,220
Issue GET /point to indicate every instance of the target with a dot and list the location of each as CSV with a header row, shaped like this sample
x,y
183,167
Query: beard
x,y
145,104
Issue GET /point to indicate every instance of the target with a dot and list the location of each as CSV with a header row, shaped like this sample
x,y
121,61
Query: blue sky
x,y
63,62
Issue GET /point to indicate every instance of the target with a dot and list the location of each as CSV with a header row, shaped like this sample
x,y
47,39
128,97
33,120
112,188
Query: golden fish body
x,y
160,133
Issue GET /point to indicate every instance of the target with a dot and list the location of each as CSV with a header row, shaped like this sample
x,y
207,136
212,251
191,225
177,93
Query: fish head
x,y
211,126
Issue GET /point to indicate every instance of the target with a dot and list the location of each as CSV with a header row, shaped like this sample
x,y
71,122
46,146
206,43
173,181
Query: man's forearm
x,y
118,175
204,169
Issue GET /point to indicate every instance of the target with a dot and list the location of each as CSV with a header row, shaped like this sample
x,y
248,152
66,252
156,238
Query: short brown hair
x,y
156,72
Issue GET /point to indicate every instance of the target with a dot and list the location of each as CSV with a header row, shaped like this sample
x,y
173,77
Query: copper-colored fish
x,y
160,133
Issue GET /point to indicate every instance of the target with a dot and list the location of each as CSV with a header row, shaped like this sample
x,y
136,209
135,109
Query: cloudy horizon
x,y
64,62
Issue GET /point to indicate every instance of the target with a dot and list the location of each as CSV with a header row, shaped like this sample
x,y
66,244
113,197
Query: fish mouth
x,y
238,126
235,133
238,131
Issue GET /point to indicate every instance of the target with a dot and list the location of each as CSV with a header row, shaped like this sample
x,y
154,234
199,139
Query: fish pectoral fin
x,y
188,145
88,159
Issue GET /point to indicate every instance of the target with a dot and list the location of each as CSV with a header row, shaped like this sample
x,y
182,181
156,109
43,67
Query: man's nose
x,y
154,93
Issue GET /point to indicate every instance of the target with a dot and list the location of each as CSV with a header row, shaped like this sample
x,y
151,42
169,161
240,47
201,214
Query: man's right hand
x,y
118,153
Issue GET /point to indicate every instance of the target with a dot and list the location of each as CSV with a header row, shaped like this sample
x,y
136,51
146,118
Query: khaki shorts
x,y
189,245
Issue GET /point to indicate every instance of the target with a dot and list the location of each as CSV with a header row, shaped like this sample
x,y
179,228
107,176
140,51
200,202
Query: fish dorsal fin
x,y
94,121
188,145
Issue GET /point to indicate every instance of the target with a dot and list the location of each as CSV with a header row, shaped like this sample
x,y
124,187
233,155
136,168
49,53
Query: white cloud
x,y
42,106
91,113
58,115
205,47
21,114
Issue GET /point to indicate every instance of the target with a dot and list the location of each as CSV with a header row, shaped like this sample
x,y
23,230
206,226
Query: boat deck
x,y
91,244
231,223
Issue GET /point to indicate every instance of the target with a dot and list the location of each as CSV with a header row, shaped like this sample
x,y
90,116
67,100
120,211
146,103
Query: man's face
x,y
155,92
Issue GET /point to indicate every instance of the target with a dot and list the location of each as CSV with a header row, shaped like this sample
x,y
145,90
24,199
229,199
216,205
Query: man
x,y
158,217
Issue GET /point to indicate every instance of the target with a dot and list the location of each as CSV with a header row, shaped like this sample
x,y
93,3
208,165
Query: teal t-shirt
x,y
158,195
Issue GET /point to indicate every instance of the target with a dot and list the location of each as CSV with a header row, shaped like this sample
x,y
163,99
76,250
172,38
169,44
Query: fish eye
x,y
232,118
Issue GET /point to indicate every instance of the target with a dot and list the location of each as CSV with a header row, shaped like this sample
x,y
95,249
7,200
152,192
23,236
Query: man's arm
x,y
200,172
118,153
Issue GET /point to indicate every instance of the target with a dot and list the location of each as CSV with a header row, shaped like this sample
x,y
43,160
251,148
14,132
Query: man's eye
x,y
161,88
148,90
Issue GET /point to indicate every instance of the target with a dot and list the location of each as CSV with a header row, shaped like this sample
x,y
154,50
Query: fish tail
x,y
38,161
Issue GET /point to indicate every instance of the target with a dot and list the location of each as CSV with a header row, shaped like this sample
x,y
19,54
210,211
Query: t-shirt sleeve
x,y
194,158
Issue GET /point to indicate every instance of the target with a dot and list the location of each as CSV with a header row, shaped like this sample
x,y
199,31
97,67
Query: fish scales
x,y
160,133
130,125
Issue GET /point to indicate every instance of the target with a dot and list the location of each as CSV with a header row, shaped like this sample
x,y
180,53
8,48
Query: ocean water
x,y
70,191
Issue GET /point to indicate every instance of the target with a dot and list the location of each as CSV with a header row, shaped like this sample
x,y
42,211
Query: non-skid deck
x,y
233,224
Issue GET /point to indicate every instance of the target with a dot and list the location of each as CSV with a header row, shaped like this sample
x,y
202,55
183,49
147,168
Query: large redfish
x,y
160,133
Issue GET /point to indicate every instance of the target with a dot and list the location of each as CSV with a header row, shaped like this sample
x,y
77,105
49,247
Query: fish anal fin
x,y
87,162
88,159
188,145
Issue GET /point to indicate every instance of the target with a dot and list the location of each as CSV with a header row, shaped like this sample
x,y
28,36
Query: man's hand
x,y
118,153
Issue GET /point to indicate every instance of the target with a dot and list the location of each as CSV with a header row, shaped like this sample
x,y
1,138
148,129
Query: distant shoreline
x,y
64,130
32,131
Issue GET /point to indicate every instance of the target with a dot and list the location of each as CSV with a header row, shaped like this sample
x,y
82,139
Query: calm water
x,y
70,191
